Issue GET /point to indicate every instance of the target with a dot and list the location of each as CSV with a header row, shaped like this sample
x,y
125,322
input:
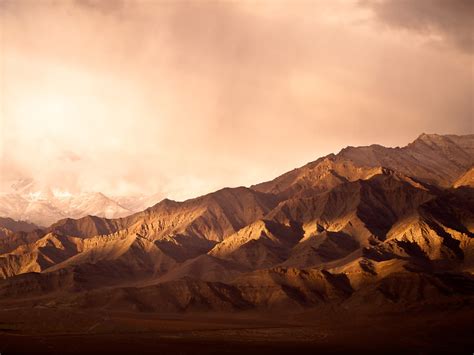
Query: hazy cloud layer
x,y
189,96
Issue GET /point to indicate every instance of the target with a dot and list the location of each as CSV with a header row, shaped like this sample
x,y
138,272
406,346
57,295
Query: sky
x,y
181,98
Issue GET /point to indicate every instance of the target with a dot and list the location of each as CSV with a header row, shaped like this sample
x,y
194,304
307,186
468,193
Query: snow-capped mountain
x,y
46,206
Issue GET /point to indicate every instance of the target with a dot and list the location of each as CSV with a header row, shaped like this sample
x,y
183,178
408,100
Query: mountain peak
x,y
441,139
430,138
432,158
427,135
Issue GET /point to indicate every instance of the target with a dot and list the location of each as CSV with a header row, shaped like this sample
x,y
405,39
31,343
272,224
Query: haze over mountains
x,y
367,226
28,201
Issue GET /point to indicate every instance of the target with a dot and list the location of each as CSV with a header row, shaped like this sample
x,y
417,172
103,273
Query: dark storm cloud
x,y
452,20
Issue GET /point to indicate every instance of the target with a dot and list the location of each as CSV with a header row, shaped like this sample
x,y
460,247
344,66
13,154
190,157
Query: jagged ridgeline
x,y
369,226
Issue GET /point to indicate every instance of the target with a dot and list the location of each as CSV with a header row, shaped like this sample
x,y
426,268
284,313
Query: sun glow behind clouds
x,y
52,99
182,98
65,114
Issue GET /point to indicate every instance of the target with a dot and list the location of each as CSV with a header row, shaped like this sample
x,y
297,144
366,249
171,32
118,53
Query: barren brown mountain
x,y
371,229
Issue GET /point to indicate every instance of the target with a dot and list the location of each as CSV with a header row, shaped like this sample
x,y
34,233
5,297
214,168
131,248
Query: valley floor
x,y
65,331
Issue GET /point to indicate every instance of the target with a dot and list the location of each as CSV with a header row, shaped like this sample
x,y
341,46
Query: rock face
x,y
466,179
393,225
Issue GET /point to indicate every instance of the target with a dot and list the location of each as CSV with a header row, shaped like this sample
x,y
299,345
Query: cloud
x,y
105,7
184,97
450,20
70,156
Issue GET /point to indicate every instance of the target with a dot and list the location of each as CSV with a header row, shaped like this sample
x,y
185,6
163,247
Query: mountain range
x,y
367,227
26,201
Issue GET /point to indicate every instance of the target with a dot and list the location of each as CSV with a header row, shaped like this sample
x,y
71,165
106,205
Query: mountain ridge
x,y
345,223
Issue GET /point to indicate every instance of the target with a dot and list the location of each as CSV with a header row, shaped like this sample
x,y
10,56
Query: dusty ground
x,y
37,330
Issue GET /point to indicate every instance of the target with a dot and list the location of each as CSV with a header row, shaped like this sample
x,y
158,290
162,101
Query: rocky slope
x,y
17,226
385,225
436,159
466,179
